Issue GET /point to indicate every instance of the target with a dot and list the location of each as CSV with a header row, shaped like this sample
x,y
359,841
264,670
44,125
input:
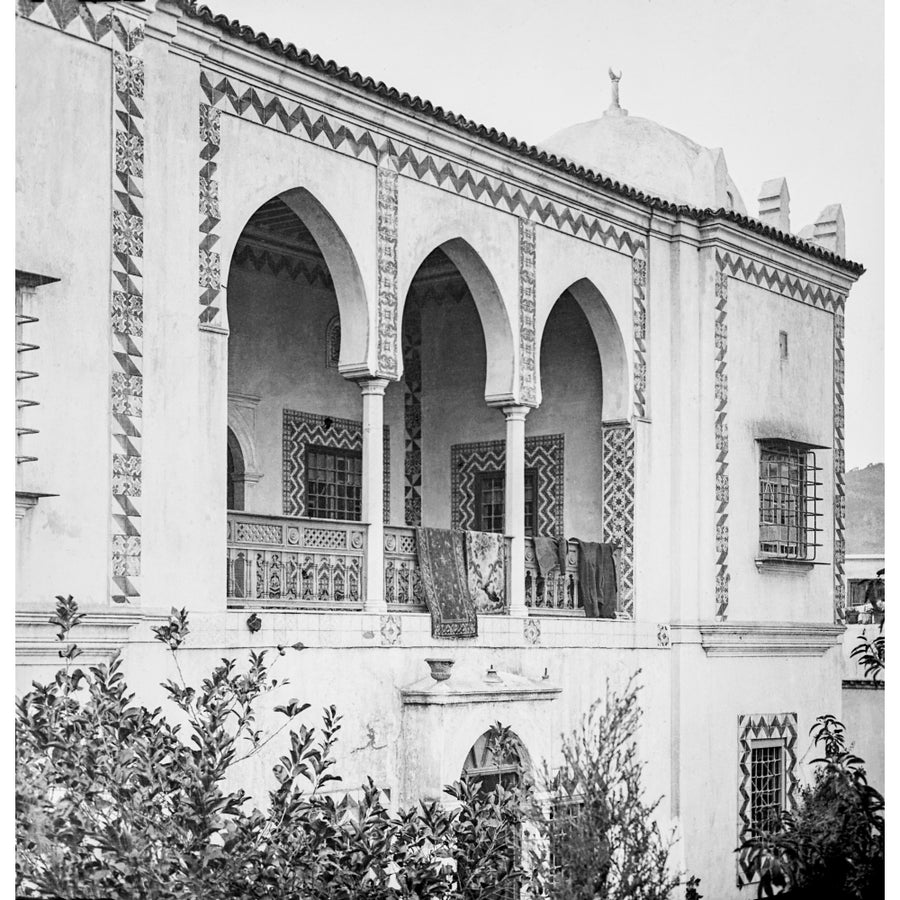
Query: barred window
x,y
333,483
766,785
489,502
788,501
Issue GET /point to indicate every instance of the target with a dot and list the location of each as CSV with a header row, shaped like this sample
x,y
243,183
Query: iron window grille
x,y
489,502
766,785
789,513
333,483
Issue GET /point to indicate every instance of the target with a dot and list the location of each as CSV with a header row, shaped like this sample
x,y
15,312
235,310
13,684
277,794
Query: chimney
x,y
775,204
829,229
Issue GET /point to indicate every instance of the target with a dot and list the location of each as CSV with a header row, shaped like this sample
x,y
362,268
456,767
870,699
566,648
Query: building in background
x,y
274,317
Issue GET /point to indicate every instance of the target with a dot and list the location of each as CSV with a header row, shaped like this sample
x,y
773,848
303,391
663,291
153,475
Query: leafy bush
x,y
114,800
833,844
600,838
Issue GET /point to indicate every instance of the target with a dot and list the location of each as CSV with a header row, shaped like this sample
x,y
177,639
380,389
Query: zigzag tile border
x,y
618,506
721,437
412,412
76,19
126,311
756,727
840,500
543,453
209,279
386,255
246,256
639,315
527,300
302,428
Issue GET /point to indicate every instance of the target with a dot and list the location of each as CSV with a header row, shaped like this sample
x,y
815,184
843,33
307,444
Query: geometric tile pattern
x,y
209,279
299,119
751,728
639,312
126,305
302,428
543,453
840,500
412,413
527,366
386,254
73,18
721,437
618,507
246,256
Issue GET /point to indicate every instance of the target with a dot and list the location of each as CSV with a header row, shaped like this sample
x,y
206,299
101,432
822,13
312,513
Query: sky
x,y
785,87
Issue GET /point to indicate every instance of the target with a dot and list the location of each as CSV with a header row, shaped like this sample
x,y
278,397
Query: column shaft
x,y
514,506
373,489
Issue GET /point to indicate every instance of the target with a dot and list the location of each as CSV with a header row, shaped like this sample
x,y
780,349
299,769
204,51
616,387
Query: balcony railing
x,y
402,579
297,560
558,591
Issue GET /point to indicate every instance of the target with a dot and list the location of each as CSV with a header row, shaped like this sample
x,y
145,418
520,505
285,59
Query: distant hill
x,y
865,509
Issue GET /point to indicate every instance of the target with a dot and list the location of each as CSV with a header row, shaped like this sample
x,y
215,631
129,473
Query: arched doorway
x,y
498,757
235,469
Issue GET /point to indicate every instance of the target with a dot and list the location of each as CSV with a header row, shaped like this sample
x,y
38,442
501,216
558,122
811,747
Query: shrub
x,y
833,844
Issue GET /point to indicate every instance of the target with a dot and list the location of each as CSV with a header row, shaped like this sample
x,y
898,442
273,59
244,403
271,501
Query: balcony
x,y
319,564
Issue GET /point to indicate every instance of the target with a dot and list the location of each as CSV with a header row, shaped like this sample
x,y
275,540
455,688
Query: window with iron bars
x,y
766,785
333,483
788,501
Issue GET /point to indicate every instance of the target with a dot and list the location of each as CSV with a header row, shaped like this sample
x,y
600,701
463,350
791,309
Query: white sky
x,y
785,87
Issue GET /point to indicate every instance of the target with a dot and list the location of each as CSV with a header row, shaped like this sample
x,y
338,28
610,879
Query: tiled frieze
x,y
126,309
543,453
412,413
386,256
527,300
618,506
840,501
300,429
209,265
246,256
639,320
721,439
299,119
91,21
768,727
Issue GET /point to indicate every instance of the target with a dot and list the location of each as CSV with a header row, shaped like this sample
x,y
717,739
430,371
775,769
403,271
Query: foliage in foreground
x,y
601,840
833,844
114,800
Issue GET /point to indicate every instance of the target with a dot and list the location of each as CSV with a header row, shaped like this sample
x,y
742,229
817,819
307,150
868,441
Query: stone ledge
x,y
460,689
769,638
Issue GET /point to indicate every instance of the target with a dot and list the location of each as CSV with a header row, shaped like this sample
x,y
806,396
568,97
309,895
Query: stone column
x,y
373,489
514,506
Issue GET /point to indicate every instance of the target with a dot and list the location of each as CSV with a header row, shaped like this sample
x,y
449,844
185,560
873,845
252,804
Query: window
x,y
766,784
333,483
788,502
489,502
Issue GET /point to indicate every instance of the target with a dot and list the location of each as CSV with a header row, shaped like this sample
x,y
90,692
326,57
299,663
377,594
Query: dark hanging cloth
x,y
597,579
562,549
444,582
546,552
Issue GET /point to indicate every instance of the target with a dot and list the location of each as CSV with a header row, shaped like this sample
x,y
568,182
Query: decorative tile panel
x,y
209,266
618,506
257,259
391,630
302,428
840,506
639,316
770,726
412,412
721,437
386,259
544,453
527,339
126,304
531,631
297,118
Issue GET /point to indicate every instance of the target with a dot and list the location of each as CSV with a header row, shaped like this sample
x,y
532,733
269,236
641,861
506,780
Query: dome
x,y
650,158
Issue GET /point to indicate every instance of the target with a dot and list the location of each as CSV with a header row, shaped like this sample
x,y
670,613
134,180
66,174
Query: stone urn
x,y
440,668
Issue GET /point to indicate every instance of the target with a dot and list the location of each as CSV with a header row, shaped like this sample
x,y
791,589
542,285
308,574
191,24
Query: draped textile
x,y
597,579
444,583
486,571
546,553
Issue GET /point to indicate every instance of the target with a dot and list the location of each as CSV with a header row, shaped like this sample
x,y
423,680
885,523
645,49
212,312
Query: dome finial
x,y
614,109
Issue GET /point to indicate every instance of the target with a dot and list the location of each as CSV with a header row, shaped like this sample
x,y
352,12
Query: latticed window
x,y
333,483
766,785
788,501
489,502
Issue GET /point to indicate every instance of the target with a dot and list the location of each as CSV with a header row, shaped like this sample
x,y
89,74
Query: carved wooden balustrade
x,y
402,580
298,560
559,590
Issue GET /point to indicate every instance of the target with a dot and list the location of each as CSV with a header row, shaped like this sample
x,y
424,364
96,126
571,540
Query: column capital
x,y
374,386
516,412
